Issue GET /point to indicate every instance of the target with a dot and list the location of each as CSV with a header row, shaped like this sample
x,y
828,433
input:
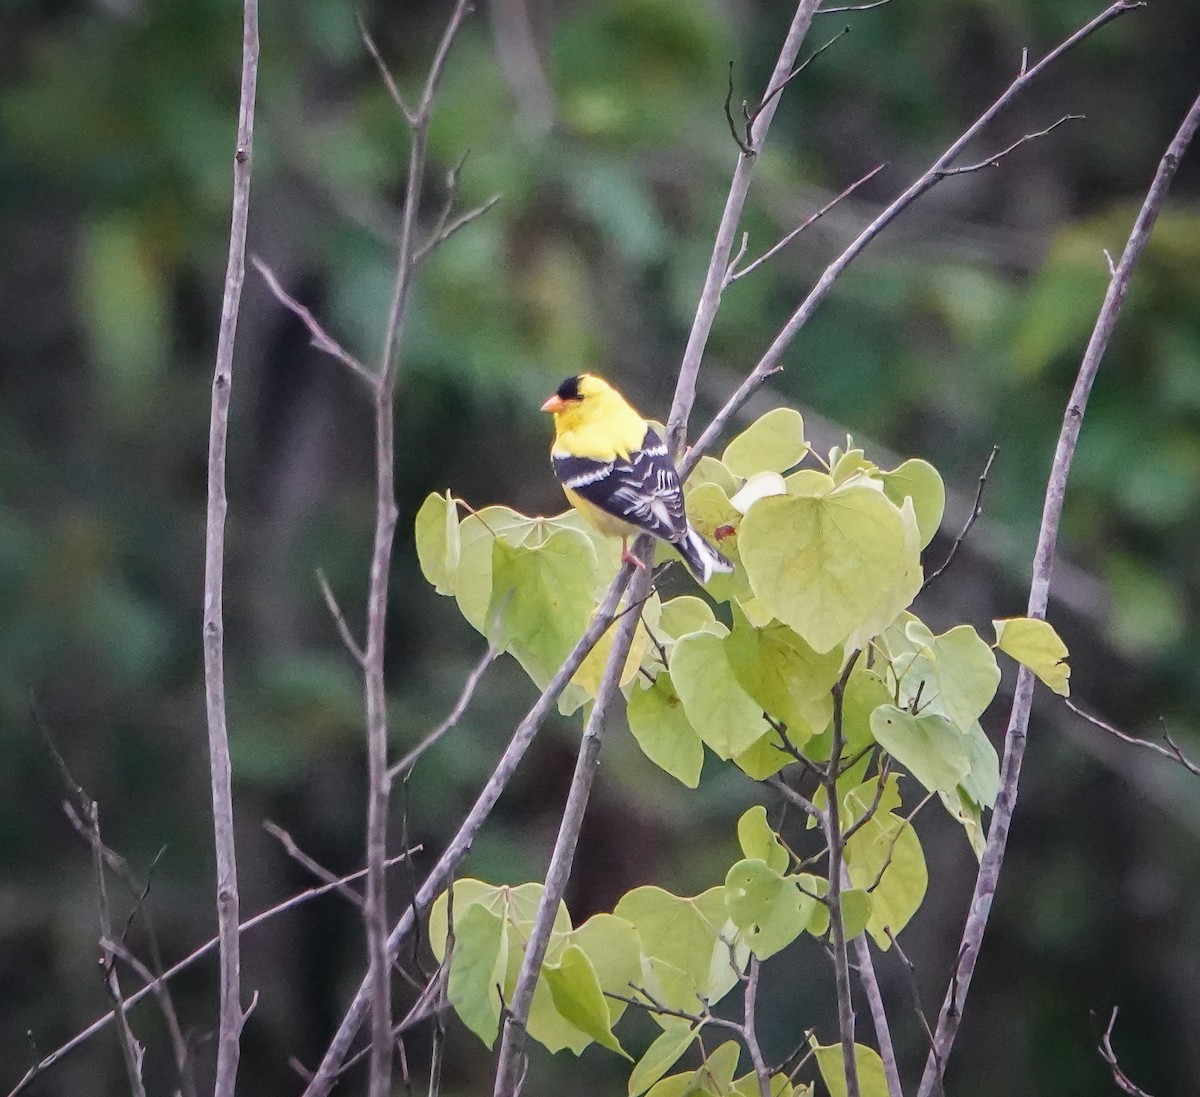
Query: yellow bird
x,y
617,473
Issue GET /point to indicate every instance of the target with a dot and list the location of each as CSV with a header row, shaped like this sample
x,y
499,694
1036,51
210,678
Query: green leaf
x,y
542,600
759,841
929,747
685,614
829,565
658,722
478,532
436,532
661,1055
965,674
578,997
477,969
764,758
716,1074
685,958
857,906
885,855
969,815
773,443
919,481
982,783
770,911
871,1080
709,470
726,717
1034,644
747,1086
784,675
614,948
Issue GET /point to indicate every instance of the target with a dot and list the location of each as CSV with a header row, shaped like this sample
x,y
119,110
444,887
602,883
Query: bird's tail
x,y
701,557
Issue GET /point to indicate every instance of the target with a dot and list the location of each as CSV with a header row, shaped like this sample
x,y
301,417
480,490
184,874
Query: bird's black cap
x,y
569,389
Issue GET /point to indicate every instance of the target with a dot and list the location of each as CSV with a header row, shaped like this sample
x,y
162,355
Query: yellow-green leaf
x,y
578,997
477,970
830,564
724,715
930,747
1034,643
960,676
436,533
661,1055
758,840
773,443
919,481
542,600
660,725
871,1080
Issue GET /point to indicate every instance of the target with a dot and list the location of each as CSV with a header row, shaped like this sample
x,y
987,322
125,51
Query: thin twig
x,y
318,870
976,511
718,264
1122,1080
230,1024
1172,750
104,1020
326,1074
404,766
994,160
318,336
911,974
449,228
385,73
1039,592
778,88
512,1046
853,7
339,619
736,275
770,363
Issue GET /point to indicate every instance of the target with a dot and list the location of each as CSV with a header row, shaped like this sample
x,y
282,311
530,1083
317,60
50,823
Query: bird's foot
x,y
628,557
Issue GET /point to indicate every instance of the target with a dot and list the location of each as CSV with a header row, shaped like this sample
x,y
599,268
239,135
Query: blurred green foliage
x,y
961,327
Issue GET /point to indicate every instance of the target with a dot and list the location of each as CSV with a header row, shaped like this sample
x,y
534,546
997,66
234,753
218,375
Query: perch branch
x,y
1172,749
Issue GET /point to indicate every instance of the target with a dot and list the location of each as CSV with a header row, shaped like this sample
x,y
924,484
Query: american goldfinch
x,y
616,472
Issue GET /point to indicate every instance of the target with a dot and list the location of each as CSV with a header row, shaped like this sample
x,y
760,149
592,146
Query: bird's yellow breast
x,y
608,524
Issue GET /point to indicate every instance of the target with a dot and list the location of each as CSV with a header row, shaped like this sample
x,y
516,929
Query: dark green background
x,y
960,328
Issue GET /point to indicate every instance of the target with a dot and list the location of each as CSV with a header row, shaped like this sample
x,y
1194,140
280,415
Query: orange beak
x,y
555,404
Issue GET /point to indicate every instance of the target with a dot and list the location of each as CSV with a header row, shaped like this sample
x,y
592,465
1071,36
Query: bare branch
x,y
770,363
994,161
230,1024
101,1023
753,117
404,766
735,275
1039,593
326,1075
1172,749
883,1033
385,73
512,1047
1122,1080
301,858
718,264
319,337
853,7
976,511
445,231
339,619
